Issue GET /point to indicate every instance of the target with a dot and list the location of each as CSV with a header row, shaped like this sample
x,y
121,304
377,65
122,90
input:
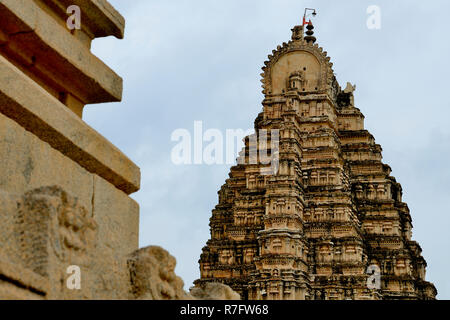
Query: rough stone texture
x,y
28,163
309,224
214,291
64,189
153,277
48,230
31,163
152,272
119,216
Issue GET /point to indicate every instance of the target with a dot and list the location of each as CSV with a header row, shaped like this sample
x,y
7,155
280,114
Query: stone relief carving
x,y
152,275
44,231
49,218
214,291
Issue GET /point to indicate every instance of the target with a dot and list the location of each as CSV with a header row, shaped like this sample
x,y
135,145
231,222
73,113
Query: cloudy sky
x,y
188,60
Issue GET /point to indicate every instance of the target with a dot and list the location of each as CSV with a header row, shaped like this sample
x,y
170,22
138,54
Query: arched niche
x,y
294,61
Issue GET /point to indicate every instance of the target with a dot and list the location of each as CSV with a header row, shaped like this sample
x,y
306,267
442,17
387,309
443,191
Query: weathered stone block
x,y
35,35
29,163
118,235
34,109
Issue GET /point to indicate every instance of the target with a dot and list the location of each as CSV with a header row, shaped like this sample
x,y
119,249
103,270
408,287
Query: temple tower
x,y
320,222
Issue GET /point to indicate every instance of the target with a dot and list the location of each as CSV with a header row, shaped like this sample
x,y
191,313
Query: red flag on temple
x,y
304,21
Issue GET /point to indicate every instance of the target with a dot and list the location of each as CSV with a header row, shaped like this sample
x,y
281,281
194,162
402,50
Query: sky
x,y
200,60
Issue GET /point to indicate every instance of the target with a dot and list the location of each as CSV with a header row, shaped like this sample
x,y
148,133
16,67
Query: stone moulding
x,y
34,109
23,278
100,17
34,38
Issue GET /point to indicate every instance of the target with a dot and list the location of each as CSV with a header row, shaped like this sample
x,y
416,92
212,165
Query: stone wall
x,y
64,189
65,208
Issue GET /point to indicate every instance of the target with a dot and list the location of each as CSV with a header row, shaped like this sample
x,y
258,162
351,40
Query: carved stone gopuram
x,y
325,217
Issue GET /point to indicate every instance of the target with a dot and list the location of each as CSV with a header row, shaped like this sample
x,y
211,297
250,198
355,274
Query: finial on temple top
x,y
310,33
309,26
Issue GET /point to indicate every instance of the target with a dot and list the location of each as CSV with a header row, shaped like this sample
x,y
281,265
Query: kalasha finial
x,y
310,33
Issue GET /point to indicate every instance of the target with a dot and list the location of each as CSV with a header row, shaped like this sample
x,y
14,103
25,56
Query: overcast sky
x,y
187,60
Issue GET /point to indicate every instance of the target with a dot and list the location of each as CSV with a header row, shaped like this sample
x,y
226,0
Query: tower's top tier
x,y
299,65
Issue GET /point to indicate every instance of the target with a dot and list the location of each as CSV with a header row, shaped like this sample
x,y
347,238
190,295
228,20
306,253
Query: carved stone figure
x,y
50,218
214,291
152,272
153,277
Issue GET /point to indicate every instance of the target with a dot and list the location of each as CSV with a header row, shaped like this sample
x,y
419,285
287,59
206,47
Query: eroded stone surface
x,y
153,277
64,189
214,291
152,272
47,230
